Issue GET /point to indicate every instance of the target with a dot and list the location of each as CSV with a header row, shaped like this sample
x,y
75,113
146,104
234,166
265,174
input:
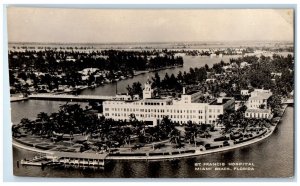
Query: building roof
x,y
260,96
192,92
224,100
258,110
155,99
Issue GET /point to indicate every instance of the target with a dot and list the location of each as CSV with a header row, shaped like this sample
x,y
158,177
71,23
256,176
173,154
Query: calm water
x,y
31,108
273,157
189,62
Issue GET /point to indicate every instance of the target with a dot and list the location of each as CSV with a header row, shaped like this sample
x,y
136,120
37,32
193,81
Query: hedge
x,y
222,138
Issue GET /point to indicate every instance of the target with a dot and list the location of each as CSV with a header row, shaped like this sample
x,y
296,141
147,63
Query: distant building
x,y
123,97
227,67
84,78
179,54
245,92
212,80
257,105
70,58
258,99
244,64
257,92
87,71
213,55
274,74
234,65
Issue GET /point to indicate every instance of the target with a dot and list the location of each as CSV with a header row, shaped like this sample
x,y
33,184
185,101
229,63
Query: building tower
x,y
148,91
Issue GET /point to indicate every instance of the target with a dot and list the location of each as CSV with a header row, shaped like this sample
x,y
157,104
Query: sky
x,y
147,25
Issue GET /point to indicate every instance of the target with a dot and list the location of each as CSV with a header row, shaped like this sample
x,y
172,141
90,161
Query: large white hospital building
x,y
152,110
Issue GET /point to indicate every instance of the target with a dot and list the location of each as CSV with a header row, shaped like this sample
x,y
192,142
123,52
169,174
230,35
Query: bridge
x,y
287,101
68,97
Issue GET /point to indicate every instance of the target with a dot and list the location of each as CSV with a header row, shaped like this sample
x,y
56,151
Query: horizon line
x,y
156,42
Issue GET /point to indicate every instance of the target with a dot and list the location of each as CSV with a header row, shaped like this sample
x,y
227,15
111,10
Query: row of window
x,y
152,103
155,110
212,116
257,115
134,103
257,101
255,105
211,121
121,103
156,116
214,110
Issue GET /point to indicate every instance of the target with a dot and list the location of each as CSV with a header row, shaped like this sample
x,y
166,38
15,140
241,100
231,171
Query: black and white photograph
x,y
151,93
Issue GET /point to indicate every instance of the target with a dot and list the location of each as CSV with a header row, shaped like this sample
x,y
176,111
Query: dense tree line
x,y
54,68
72,119
51,61
194,75
257,75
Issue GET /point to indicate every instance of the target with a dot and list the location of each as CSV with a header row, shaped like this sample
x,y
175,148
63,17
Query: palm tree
x,y
174,136
244,124
15,130
26,124
220,119
42,116
43,120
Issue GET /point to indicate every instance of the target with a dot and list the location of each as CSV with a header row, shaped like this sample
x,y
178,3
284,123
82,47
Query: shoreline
x,y
17,99
197,152
137,73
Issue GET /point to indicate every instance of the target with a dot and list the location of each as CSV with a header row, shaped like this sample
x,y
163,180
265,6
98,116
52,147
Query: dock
x,y
289,102
67,160
79,159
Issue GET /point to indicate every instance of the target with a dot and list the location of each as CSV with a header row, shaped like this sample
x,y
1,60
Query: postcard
x,y
152,93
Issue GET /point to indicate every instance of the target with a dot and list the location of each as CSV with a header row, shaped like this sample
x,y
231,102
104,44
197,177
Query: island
x,y
205,110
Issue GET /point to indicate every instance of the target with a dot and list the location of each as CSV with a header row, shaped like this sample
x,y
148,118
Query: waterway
x,y
189,62
272,157
31,108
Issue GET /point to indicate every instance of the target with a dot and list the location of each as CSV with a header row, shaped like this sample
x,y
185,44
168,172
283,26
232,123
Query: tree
x,y
137,89
15,130
26,123
274,103
175,136
156,81
206,67
179,76
23,76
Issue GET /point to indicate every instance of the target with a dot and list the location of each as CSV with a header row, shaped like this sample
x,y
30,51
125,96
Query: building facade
x,y
152,110
258,113
257,105
259,99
